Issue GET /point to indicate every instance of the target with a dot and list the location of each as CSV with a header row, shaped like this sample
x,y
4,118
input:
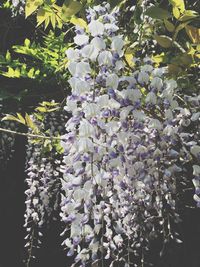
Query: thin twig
x,y
31,135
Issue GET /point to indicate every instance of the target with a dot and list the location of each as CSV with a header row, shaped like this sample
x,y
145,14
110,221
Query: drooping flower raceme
x,y
43,182
125,147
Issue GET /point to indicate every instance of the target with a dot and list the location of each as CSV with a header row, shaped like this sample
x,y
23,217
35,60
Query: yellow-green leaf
x,y
30,123
21,118
193,33
41,16
169,26
11,118
53,20
8,56
129,57
163,41
158,58
179,4
78,21
176,12
157,13
27,42
41,109
188,14
71,8
31,6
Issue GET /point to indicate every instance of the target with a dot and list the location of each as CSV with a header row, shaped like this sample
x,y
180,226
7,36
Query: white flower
x,y
112,81
195,150
81,39
146,68
112,127
85,145
72,54
171,84
111,27
151,98
118,240
155,124
79,69
79,86
105,58
143,77
196,170
86,129
96,28
158,72
157,83
90,51
139,115
117,43
195,116
91,110
98,43
83,255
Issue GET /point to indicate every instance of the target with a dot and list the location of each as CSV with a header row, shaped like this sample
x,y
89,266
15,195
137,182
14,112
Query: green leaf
x,y
179,4
8,56
188,14
169,26
30,123
176,12
71,8
137,15
163,41
157,13
78,21
159,58
27,42
21,118
31,6
12,118
41,109
40,16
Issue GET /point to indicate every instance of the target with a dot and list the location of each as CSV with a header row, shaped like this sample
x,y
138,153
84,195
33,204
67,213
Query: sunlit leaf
x,y
12,118
78,21
30,123
71,8
20,117
40,16
188,14
31,6
179,4
158,58
129,57
27,42
176,12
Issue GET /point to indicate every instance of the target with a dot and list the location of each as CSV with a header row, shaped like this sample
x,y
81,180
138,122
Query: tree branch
x,y
31,135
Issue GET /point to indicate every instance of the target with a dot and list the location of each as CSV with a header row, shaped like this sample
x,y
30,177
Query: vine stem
x,y
31,135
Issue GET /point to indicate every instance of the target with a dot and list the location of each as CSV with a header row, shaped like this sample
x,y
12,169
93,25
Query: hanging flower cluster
x,y
17,7
7,141
43,193
126,145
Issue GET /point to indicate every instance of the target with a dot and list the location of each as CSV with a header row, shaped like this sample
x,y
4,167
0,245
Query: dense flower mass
x,y
127,142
